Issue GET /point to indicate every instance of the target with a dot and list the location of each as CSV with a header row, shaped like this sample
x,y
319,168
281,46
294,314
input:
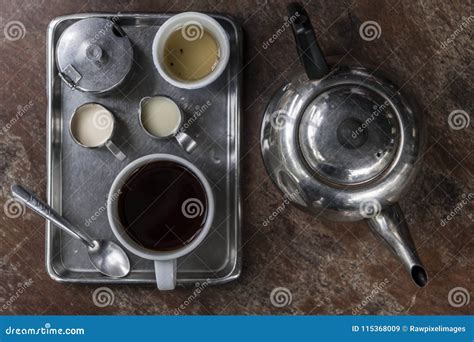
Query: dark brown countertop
x,y
329,268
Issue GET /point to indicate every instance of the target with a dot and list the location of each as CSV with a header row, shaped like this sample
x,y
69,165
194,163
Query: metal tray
x,y
79,178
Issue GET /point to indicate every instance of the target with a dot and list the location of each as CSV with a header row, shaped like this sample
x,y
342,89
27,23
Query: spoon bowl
x,y
109,258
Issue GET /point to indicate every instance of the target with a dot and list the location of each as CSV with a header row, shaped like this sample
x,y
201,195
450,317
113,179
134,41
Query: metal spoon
x,y
106,256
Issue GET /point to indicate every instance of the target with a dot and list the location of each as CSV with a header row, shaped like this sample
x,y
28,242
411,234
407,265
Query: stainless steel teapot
x,y
344,144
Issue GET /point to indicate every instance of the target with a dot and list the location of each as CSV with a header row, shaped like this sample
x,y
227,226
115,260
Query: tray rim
x,y
235,272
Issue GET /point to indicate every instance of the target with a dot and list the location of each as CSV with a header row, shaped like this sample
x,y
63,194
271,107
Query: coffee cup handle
x,y
115,150
186,142
165,273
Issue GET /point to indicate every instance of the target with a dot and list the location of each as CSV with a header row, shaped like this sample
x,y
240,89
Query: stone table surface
x,y
326,267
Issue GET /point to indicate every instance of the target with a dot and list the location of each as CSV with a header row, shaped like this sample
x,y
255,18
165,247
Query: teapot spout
x,y
390,225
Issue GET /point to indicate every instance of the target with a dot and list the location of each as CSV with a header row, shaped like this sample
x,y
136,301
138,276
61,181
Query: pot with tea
x,y
344,144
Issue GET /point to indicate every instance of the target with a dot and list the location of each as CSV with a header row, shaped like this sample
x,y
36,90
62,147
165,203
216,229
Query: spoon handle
x,y
44,210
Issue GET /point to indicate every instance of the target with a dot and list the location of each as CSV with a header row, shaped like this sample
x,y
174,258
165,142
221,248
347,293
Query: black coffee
x,y
163,206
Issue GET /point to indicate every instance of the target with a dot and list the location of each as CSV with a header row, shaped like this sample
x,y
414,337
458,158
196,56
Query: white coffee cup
x,y
165,261
201,22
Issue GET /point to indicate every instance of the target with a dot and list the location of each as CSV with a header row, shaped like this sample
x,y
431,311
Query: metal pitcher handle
x,y
186,142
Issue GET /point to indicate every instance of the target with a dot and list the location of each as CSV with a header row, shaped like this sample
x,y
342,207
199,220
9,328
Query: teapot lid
x,y
310,151
349,134
94,55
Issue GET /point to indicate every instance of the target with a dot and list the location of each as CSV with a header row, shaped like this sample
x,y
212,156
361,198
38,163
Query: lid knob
x,y
94,54
346,136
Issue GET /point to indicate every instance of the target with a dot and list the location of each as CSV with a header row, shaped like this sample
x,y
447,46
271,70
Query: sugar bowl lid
x,y
94,55
349,133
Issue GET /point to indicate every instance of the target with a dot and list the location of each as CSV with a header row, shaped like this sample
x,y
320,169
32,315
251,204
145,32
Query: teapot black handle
x,y
308,48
